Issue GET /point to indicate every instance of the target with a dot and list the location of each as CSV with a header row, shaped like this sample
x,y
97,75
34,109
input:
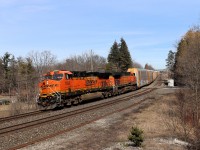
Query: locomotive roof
x,y
61,71
90,74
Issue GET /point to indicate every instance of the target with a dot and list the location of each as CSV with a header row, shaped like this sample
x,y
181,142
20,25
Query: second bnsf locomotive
x,y
60,87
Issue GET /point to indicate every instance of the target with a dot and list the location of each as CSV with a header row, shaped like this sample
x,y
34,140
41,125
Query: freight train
x,y
61,88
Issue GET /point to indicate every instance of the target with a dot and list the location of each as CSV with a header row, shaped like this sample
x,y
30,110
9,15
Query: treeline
x,y
184,65
20,76
119,58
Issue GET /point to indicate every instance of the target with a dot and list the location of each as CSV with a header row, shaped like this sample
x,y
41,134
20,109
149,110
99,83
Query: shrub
x,y
4,102
136,136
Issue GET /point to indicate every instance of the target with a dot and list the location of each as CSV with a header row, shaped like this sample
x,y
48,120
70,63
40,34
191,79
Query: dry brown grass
x,y
151,117
15,108
153,121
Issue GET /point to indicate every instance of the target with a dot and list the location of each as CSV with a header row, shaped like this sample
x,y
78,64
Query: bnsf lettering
x,y
90,82
46,86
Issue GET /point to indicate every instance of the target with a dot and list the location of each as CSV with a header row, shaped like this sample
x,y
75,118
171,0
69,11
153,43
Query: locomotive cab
x,y
50,88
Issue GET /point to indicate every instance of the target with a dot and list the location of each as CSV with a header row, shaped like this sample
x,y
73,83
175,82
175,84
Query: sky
x,y
72,27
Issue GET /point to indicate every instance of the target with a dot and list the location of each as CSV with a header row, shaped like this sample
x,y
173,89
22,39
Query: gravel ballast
x,y
23,136
109,133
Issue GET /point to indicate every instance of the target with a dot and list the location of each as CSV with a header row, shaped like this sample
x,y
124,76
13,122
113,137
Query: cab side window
x,y
66,76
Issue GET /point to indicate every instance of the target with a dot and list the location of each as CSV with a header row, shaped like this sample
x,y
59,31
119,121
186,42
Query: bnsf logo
x,y
90,82
46,86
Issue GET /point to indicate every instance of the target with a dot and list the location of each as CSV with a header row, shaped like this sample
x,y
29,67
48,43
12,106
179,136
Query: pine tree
x,y
6,59
170,63
170,60
125,57
136,136
114,57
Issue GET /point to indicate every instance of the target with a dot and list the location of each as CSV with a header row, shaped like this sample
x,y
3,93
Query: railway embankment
x,y
111,132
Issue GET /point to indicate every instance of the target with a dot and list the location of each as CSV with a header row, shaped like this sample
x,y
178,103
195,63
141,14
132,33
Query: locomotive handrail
x,y
57,94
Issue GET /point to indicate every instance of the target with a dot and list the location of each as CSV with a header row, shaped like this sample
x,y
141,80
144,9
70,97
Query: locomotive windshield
x,y
57,76
53,77
46,77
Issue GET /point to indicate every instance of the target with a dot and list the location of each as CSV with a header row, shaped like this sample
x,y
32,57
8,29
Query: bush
x,y
136,136
4,102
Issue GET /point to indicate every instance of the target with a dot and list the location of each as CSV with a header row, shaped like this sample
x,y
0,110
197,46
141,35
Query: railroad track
x,y
49,119
29,114
14,117
56,118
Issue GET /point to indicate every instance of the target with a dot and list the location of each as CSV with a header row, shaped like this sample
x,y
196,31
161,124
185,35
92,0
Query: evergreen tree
x,y
114,57
136,136
125,61
170,60
6,68
6,59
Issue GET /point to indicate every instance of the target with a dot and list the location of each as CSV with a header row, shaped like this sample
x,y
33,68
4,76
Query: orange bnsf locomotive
x,y
59,88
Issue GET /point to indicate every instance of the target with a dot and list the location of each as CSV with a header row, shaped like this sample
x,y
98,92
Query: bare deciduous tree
x,y
86,62
137,65
147,66
187,72
42,61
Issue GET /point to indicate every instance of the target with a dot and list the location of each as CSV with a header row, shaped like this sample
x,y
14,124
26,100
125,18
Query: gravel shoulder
x,y
110,133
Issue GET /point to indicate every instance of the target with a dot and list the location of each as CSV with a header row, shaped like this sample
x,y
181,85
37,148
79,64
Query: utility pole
x,y
91,61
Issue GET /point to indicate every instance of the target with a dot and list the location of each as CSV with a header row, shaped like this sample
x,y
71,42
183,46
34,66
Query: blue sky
x,y
71,27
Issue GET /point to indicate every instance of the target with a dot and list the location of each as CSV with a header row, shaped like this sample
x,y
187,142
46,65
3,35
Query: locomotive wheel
x,y
69,102
76,100
80,100
104,95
